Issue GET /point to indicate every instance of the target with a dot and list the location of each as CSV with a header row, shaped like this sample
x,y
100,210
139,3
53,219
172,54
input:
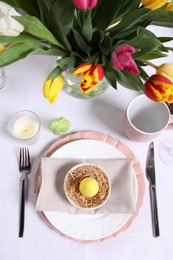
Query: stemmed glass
x,y
166,147
166,151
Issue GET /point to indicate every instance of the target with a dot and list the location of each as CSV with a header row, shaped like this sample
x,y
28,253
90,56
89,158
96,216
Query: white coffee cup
x,y
145,119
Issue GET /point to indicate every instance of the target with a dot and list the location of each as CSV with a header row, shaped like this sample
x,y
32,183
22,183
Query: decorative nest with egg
x,y
87,186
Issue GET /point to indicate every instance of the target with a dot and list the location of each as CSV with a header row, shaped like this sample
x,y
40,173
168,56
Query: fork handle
x,y
22,206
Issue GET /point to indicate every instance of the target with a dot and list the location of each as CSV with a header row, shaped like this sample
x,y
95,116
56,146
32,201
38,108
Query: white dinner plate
x,y
85,226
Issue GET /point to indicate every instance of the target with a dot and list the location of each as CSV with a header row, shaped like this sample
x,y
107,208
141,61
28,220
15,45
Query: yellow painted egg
x,y
88,187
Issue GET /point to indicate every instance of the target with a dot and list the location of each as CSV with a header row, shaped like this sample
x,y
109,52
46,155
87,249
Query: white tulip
x,y
8,25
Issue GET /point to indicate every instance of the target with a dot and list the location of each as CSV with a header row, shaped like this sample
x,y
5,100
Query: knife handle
x,y
154,211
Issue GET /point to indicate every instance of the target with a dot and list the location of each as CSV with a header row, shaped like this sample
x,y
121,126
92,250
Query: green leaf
x,y
55,73
105,13
60,19
124,34
23,37
93,58
106,45
67,62
163,18
80,42
17,52
128,5
165,39
87,27
151,56
98,37
35,27
43,50
143,74
129,80
144,36
130,19
110,74
44,9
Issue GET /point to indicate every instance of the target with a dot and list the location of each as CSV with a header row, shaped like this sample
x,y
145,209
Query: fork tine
x,y
24,159
28,156
21,158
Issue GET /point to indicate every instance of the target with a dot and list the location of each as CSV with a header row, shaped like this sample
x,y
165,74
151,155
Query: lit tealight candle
x,y
24,126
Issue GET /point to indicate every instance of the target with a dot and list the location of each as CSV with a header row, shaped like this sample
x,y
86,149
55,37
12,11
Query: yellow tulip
x,y
170,6
2,48
51,88
153,4
166,69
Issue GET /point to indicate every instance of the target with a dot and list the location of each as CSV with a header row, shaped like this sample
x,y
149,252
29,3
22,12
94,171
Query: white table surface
x,y
105,114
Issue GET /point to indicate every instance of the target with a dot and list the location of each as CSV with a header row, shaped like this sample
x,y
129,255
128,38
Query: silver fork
x,y
25,169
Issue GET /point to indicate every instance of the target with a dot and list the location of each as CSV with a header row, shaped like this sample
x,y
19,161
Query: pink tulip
x,y
122,59
85,4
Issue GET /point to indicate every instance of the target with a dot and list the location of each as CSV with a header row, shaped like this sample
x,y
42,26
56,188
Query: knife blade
x,y
150,174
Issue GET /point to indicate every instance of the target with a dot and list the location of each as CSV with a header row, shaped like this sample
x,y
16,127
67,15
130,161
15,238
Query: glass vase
x,y
72,86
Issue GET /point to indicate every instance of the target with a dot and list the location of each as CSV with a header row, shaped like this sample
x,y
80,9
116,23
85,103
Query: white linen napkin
x,y
51,196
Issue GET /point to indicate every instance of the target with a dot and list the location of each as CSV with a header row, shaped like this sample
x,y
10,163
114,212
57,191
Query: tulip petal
x,y
85,4
153,4
166,69
90,75
122,59
51,88
159,88
9,26
98,72
82,68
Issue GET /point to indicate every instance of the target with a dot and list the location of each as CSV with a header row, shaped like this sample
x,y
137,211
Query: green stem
x,y
150,64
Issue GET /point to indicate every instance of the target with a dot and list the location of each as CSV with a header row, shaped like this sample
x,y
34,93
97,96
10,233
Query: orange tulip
x,y
159,88
90,76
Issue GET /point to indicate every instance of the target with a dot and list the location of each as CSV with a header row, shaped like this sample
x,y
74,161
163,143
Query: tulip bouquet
x,y
96,38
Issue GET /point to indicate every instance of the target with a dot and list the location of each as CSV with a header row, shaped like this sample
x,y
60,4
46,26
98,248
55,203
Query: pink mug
x,y
146,119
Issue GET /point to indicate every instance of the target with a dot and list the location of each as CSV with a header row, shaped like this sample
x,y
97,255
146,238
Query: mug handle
x,y
170,125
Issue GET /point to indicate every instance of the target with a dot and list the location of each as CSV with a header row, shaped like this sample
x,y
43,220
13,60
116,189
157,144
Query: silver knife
x,y
150,173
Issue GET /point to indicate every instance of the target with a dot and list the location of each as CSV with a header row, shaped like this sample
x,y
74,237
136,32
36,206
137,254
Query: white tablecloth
x,y
105,114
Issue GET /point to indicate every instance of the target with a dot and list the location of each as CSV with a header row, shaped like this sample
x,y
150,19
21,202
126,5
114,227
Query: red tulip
x,y
91,75
122,59
159,88
85,4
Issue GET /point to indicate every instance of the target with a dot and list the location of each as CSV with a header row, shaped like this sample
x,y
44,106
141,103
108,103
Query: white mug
x,y
145,119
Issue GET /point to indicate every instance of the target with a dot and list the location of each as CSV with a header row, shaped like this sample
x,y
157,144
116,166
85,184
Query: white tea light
x,y
24,126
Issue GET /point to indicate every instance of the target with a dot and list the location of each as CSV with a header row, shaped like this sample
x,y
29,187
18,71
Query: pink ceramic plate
x,y
113,224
